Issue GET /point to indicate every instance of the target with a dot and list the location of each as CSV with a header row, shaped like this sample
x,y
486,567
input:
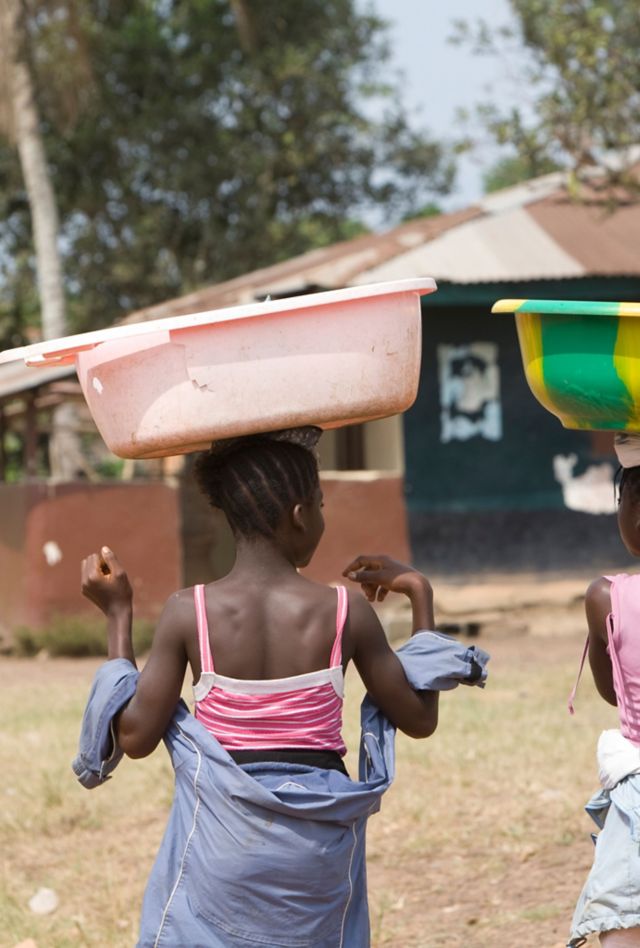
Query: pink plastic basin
x,y
174,385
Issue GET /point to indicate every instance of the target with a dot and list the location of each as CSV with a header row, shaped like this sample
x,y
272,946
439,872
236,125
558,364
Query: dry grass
x,y
481,841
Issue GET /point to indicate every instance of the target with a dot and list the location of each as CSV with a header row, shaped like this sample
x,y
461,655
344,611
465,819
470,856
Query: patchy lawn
x,y
481,842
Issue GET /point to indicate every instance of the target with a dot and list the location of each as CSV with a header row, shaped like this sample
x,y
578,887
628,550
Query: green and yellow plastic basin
x,y
581,359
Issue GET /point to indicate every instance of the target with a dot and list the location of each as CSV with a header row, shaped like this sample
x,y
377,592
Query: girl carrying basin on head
x,y
610,900
265,842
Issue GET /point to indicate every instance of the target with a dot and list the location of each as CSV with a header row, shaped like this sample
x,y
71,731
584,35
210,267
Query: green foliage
x,y
77,637
182,155
13,457
19,306
574,69
431,209
109,468
509,171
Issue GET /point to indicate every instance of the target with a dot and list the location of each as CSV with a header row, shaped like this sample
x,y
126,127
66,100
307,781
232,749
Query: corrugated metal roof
x,y
524,193
490,249
16,377
530,231
533,231
604,242
326,268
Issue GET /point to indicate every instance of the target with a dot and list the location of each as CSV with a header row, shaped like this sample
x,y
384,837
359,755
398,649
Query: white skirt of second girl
x,y
610,899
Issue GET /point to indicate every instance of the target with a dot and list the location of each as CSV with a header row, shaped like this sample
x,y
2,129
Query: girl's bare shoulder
x,y
179,609
599,589
597,603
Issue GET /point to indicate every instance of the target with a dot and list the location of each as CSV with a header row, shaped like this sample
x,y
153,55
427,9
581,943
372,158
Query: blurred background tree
x,y
189,142
20,122
575,72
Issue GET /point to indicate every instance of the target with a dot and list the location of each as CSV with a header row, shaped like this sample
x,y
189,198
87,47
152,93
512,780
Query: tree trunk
x,y
245,26
42,203
66,460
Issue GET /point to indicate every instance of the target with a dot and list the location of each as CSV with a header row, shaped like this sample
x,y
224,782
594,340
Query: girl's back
x,y
262,630
267,693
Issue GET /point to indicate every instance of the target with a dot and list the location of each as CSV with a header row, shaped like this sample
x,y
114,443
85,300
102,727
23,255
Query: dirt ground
x,y
509,877
510,871
481,842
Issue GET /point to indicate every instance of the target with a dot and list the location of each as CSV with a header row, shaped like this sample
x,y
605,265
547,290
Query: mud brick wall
x,y
46,530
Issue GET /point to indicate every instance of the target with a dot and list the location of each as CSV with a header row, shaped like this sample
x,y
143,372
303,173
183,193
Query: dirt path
x,y
517,861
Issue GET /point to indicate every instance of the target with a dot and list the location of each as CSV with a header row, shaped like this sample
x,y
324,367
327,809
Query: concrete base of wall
x,y
544,541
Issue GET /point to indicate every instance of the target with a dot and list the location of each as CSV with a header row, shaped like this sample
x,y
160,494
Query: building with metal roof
x,y
534,231
489,480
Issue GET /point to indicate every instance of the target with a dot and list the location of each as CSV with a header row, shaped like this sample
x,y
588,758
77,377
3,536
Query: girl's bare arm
x,y
598,607
414,712
142,723
379,575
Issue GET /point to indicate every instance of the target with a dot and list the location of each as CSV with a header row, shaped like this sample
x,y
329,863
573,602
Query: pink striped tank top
x,y
623,634
302,711
623,629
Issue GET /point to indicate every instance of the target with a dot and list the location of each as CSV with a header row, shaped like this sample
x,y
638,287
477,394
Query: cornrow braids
x,y
255,480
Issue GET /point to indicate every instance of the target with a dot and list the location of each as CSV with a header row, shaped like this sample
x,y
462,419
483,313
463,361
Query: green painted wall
x,y
515,472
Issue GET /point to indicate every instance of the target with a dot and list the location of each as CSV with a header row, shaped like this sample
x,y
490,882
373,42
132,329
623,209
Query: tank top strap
x,y
206,658
572,696
341,618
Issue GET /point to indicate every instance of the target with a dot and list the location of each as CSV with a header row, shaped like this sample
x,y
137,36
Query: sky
x,y
439,78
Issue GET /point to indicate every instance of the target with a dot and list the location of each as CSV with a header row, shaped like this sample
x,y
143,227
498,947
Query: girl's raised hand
x,y
105,582
379,575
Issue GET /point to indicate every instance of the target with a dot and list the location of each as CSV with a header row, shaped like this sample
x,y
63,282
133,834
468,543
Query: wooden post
x,y
30,458
350,448
3,456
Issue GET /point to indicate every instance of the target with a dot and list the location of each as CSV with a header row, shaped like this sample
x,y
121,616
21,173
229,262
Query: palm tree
x,y
21,121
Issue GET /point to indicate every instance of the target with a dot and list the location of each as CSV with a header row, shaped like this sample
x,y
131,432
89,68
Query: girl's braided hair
x,y
255,480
